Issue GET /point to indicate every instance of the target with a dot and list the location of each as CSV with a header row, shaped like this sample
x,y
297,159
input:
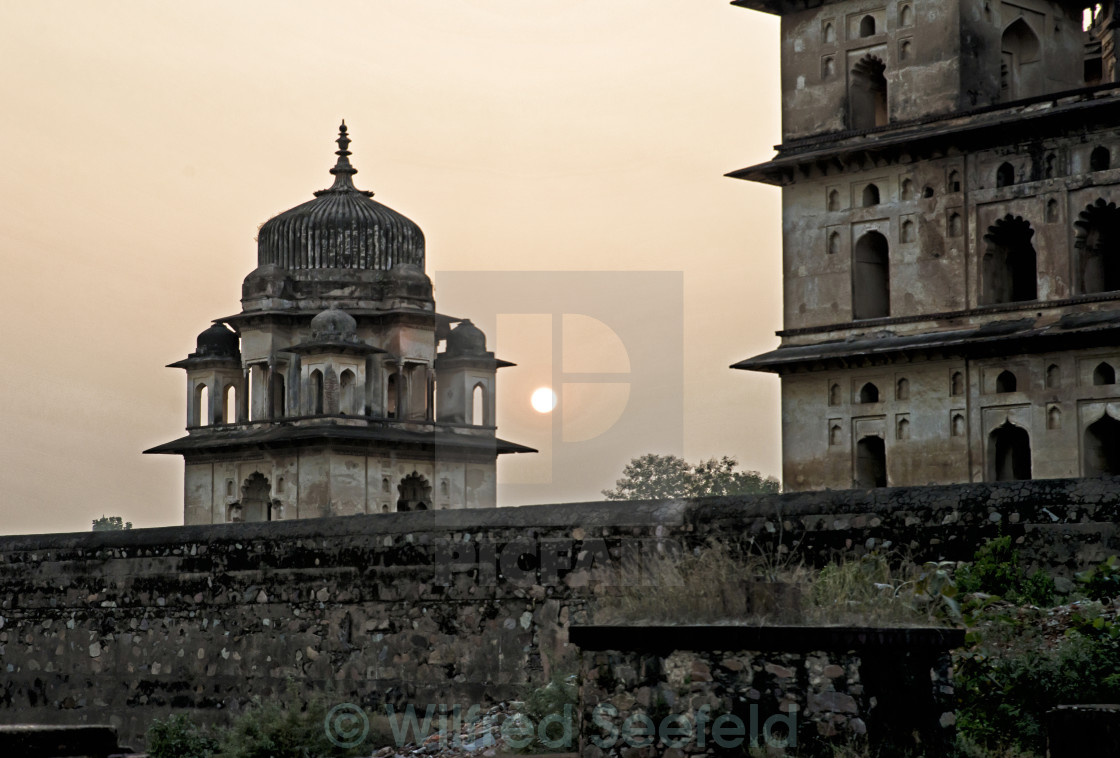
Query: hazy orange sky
x,y
143,144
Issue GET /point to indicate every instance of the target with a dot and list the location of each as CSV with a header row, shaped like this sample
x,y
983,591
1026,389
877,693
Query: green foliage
x,y
264,730
560,700
658,477
110,524
1003,696
274,730
995,570
179,737
1103,581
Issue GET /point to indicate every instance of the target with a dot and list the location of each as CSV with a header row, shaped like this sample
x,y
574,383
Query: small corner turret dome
x,y
343,227
408,280
267,280
466,339
334,323
218,341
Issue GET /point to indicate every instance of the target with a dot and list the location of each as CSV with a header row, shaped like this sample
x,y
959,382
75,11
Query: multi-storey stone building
x,y
328,393
951,254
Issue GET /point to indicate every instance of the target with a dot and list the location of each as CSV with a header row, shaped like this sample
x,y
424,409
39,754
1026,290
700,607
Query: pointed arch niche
x,y
1098,247
1020,61
867,93
1009,266
1101,448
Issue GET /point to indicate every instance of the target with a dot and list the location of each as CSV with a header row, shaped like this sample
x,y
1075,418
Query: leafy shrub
x,y
1005,691
995,570
560,700
1103,581
179,737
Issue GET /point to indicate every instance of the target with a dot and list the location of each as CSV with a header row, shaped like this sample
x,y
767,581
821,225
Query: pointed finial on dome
x,y
342,170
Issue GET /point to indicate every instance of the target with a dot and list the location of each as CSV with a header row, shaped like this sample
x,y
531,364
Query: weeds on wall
x,y
266,729
716,584
1031,650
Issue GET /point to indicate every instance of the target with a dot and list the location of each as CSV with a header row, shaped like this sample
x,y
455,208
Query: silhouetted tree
x,y
659,477
110,524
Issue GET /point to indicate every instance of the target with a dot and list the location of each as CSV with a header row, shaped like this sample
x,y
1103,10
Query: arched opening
x,y
955,225
904,50
229,403
829,33
1005,175
871,281
867,26
201,405
1009,453
478,406
868,393
1098,244
279,397
927,192
871,463
256,499
392,395
346,392
834,395
907,189
1051,211
1054,418
1100,159
957,385
902,389
1006,382
902,431
1104,373
906,16
833,243
1051,166
870,195
958,425
835,435
415,493
1019,73
954,181
828,67
1053,376
1102,447
867,93
1009,263
316,382
834,200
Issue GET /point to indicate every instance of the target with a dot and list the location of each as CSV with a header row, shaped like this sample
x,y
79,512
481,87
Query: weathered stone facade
x,y
456,606
951,242
719,690
332,397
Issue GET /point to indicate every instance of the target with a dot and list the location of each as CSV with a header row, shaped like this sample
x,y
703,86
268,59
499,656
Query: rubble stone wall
x,y
445,607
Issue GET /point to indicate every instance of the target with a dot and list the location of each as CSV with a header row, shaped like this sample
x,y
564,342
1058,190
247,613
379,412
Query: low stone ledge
x,y
42,741
761,638
711,690
1077,731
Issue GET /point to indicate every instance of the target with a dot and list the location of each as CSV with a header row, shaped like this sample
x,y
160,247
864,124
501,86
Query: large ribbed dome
x,y
341,228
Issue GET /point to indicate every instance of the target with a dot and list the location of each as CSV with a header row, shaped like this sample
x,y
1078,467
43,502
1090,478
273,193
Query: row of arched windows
x,y
1009,265
350,402
1008,450
1006,381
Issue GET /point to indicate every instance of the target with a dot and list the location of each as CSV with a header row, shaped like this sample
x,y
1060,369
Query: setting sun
x,y
543,400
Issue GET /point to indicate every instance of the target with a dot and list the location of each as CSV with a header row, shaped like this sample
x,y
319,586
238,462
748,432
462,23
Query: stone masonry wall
x,y
457,606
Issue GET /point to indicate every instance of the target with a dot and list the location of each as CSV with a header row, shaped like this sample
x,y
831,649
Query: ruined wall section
x,y
437,607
